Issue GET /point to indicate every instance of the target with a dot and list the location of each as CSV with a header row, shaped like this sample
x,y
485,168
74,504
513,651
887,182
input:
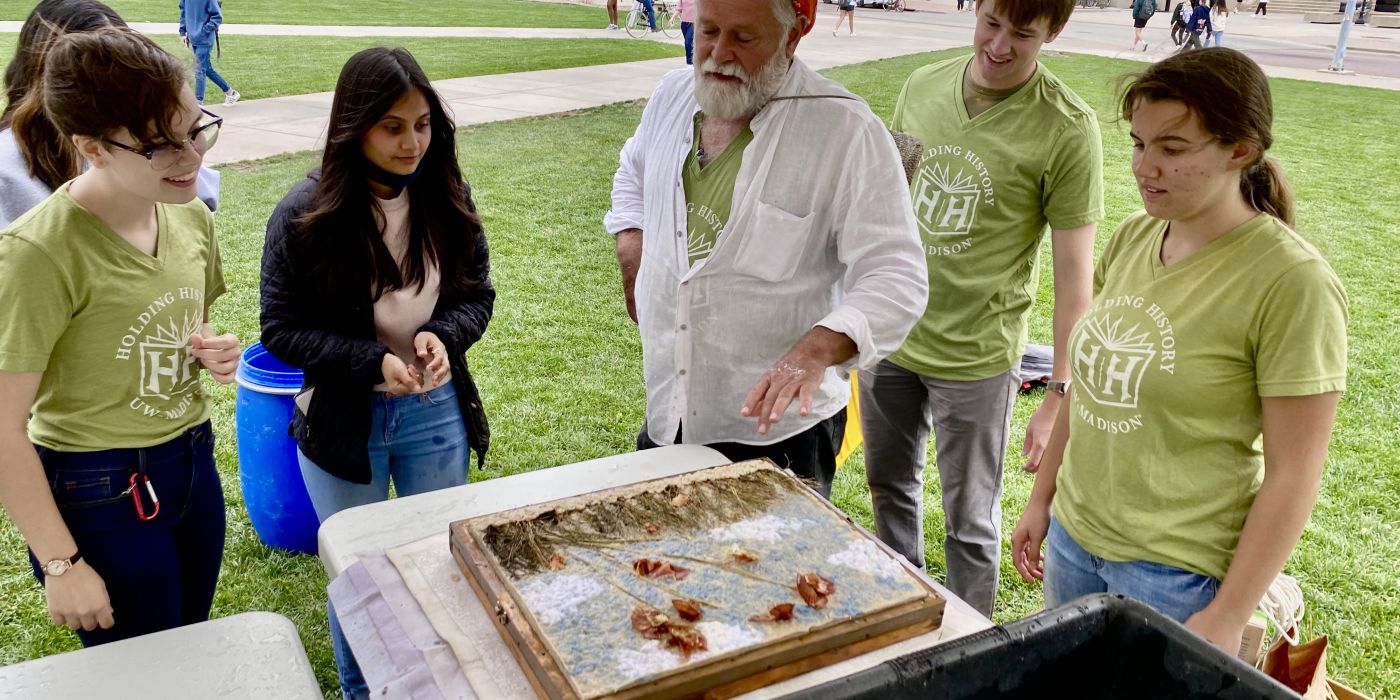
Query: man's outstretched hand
x,y
796,376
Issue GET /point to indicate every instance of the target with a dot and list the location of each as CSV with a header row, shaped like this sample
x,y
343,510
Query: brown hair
x,y
49,157
98,82
1024,13
1230,96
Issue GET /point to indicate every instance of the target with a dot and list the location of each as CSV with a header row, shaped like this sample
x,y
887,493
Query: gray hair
x,y
783,11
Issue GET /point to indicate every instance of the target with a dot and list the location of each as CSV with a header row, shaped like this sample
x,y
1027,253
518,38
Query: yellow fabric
x,y
850,442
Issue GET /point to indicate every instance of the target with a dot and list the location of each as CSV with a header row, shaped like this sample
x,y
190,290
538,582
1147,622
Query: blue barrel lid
x,y
260,371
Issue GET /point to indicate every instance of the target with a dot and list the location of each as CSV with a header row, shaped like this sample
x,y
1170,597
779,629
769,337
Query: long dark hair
x,y
49,156
1230,96
341,232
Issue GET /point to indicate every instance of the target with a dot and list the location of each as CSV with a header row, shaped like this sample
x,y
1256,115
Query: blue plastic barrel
x,y
273,490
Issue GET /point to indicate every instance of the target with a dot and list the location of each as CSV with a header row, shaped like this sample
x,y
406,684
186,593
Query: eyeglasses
x,y
161,157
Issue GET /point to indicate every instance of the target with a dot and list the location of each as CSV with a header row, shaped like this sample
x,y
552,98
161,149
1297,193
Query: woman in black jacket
x,y
375,283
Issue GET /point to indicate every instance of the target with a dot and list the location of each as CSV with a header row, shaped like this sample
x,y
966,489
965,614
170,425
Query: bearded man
x,y
766,242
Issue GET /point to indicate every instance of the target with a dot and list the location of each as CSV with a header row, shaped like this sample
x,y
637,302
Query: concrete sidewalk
x,y
1276,26
262,128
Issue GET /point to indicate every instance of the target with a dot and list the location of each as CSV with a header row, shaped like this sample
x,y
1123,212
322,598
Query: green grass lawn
x,y
560,367
384,13
271,66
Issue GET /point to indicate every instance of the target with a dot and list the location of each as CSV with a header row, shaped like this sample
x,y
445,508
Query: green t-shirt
x,y
985,190
1169,364
709,193
107,325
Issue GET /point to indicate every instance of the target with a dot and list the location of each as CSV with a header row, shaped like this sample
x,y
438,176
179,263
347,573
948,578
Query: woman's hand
x,y
78,599
1026,541
1217,628
218,353
433,354
399,378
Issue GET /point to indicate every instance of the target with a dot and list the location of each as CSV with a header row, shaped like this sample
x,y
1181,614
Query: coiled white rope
x,y
1283,604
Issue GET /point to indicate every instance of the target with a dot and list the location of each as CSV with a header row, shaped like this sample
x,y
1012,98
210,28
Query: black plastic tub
x,y
1102,646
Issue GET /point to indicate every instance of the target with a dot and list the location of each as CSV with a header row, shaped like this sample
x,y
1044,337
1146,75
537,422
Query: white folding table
x,y
249,655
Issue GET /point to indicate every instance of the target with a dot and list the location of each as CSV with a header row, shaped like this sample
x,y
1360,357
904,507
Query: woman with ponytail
x,y
375,282
1206,372
34,158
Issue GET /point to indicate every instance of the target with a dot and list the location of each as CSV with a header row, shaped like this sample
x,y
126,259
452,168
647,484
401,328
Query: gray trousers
x,y
971,421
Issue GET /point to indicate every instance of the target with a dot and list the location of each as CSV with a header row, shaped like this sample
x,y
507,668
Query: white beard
x,y
724,100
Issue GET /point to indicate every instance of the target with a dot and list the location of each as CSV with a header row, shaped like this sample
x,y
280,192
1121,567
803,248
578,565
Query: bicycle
x,y
668,19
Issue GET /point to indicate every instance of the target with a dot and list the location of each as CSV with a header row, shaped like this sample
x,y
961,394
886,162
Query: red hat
x,y
808,10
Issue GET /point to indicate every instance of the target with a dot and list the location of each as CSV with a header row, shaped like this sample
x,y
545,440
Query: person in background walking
x,y
686,8
847,14
1262,8
1218,20
1142,11
1198,24
199,30
612,14
1180,14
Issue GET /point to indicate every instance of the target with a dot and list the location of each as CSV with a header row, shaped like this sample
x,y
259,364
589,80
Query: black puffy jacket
x,y
334,343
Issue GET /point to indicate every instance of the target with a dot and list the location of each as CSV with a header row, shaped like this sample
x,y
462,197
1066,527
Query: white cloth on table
x,y
399,653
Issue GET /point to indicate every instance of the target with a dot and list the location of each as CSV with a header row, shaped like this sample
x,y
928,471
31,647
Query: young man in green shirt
x,y
1009,151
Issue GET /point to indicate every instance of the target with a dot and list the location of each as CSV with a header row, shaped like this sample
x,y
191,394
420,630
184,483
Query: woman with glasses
x,y
106,287
34,158
375,283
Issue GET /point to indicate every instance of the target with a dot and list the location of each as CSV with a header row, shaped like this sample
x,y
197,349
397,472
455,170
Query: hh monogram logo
x,y
945,204
167,365
1110,361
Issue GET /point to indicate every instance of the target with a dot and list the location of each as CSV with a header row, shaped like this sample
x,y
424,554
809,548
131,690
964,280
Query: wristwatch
x,y
59,567
1058,387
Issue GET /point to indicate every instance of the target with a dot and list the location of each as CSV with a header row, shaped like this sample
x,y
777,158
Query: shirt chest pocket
x,y
773,243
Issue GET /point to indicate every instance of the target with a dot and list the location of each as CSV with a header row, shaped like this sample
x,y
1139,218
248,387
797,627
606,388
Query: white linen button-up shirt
x,y
821,233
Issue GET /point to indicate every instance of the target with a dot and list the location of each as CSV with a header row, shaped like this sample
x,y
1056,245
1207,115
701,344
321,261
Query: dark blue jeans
x,y
204,67
651,14
419,442
688,31
159,573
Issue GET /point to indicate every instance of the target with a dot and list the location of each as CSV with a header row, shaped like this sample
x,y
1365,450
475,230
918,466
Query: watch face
x,y
56,567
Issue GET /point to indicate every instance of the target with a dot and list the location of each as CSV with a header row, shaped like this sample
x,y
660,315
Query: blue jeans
x,y
159,573
1072,572
202,68
688,31
651,14
1219,38
417,441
